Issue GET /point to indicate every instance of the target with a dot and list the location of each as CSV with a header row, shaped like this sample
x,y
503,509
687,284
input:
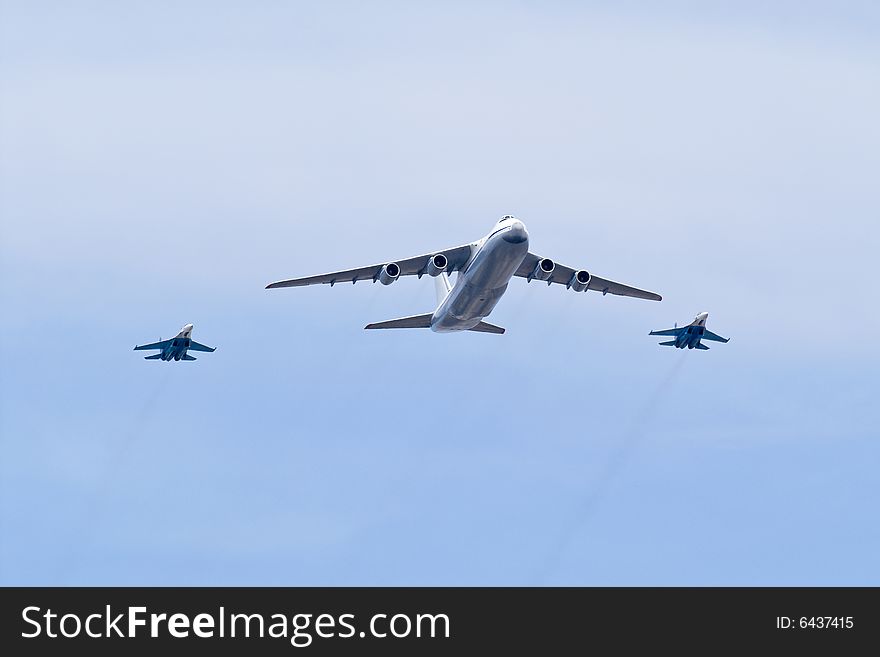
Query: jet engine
x,y
579,280
389,273
544,269
437,264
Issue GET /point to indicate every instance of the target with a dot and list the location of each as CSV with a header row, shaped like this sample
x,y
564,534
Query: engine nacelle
x,y
437,264
389,273
544,269
580,280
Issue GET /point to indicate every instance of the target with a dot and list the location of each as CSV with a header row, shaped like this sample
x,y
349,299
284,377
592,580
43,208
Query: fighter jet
x,y
176,347
690,336
484,267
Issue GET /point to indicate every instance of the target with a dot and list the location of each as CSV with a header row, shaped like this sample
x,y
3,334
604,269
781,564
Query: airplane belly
x,y
481,286
472,304
495,264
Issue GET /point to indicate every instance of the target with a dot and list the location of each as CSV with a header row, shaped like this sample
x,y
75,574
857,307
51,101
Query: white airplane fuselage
x,y
483,280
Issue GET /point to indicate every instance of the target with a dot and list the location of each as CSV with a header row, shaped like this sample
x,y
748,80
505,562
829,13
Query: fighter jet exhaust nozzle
x,y
544,269
437,264
580,280
389,273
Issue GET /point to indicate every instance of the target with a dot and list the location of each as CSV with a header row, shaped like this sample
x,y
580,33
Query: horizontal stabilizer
x,y
153,357
188,357
700,345
671,343
415,321
486,327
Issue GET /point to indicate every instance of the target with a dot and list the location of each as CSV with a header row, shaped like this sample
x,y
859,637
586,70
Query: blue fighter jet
x,y
176,347
690,336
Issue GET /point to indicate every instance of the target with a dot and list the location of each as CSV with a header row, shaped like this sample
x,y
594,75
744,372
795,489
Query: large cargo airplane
x,y
484,267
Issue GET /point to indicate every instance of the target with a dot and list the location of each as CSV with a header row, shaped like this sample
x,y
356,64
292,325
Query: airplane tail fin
x,y
415,321
486,327
153,357
702,346
188,357
671,343
442,286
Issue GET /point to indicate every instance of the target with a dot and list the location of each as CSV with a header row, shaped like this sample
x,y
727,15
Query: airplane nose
x,y
516,234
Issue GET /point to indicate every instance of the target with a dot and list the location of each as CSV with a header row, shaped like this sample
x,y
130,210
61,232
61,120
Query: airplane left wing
x,y
154,345
456,258
672,331
564,275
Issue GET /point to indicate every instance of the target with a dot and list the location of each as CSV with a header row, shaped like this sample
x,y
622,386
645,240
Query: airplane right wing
x,y
672,331
154,345
456,258
195,346
565,275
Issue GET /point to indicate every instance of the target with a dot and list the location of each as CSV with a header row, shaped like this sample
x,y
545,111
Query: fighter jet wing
x,y
708,335
154,345
564,275
672,331
416,266
195,346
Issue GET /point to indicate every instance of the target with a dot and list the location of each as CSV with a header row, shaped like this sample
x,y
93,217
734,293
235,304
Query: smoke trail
x,y
631,439
93,512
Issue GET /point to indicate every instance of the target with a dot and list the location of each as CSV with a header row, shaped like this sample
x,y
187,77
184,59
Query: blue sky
x,y
161,162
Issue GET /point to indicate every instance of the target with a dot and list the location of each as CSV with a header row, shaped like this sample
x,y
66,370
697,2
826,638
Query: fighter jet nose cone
x,y
516,234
